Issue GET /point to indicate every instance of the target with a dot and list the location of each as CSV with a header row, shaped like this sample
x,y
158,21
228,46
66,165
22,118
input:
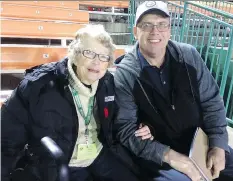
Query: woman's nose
x,y
96,60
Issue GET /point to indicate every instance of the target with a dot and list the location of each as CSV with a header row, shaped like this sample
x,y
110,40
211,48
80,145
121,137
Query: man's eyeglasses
x,y
92,55
161,27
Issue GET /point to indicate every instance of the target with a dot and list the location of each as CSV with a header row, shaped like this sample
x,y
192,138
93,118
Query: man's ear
x,y
135,32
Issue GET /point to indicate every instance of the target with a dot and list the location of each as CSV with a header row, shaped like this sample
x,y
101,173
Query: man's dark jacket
x,y
42,105
194,102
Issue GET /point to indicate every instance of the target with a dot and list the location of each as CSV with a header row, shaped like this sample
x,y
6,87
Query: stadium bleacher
x,y
35,21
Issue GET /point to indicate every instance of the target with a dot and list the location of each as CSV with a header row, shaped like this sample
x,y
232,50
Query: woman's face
x,y
92,62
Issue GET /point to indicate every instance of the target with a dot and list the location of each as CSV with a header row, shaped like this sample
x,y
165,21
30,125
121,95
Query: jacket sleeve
x,y
127,123
14,118
212,105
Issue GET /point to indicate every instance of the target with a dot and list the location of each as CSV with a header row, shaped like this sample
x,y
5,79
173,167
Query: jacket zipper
x,y
172,101
143,90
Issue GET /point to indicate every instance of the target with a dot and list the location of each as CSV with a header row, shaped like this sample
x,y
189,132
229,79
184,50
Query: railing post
x,y
183,22
131,19
227,64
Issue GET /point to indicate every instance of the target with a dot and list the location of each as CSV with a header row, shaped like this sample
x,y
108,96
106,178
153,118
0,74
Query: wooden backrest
x,y
13,58
26,57
43,13
35,29
119,52
118,4
56,4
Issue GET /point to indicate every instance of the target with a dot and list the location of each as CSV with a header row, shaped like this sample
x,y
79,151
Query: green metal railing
x,y
221,5
176,13
230,122
224,6
131,19
212,37
211,11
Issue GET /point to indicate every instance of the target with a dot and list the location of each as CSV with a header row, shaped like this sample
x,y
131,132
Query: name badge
x,y
86,152
109,98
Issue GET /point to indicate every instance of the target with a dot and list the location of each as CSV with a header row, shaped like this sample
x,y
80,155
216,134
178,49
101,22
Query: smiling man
x,y
168,84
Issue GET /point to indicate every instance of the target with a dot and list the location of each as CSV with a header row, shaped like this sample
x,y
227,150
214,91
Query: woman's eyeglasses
x,y
92,55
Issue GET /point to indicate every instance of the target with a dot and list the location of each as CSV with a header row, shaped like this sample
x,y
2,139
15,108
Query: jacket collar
x,y
131,62
61,71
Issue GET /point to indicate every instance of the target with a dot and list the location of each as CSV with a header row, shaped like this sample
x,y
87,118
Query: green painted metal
x,y
214,52
220,5
183,24
211,11
176,19
132,12
209,41
227,64
230,122
229,104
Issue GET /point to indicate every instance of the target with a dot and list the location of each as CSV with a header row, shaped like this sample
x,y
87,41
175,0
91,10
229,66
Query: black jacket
x,y
42,105
195,102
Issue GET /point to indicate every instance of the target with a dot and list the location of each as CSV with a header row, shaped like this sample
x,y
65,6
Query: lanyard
x,y
86,117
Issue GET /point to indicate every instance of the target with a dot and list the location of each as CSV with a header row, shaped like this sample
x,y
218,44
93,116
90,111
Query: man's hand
x,y
216,161
183,164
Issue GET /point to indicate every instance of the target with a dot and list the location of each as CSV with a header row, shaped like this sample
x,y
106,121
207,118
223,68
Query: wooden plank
x,y
119,52
57,4
117,4
41,13
25,57
13,58
35,29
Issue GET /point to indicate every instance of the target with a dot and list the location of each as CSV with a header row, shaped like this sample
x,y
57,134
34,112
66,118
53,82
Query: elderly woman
x,y
71,101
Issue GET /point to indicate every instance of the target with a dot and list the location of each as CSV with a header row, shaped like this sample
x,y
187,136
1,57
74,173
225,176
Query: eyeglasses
x,y
161,27
92,55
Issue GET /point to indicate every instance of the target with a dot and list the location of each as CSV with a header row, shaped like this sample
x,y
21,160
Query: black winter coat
x,y
42,105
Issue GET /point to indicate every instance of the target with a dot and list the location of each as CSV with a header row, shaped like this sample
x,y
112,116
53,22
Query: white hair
x,y
96,32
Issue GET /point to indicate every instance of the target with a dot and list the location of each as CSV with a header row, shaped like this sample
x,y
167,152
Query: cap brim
x,y
150,10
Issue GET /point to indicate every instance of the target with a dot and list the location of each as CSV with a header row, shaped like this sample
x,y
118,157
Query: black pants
x,y
106,167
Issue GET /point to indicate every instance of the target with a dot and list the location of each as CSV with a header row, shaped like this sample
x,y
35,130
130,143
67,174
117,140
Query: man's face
x,y
152,39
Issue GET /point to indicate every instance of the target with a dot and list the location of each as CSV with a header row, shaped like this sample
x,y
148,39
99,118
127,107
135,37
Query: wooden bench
x,y
53,4
21,58
74,4
38,29
117,4
11,10
26,57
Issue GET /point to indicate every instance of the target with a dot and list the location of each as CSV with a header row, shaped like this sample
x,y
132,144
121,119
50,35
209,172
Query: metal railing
x,y
224,6
212,37
211,11
220,5
131,19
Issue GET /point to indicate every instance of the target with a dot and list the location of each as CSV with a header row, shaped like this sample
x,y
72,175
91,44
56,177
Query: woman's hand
x,y
144,132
